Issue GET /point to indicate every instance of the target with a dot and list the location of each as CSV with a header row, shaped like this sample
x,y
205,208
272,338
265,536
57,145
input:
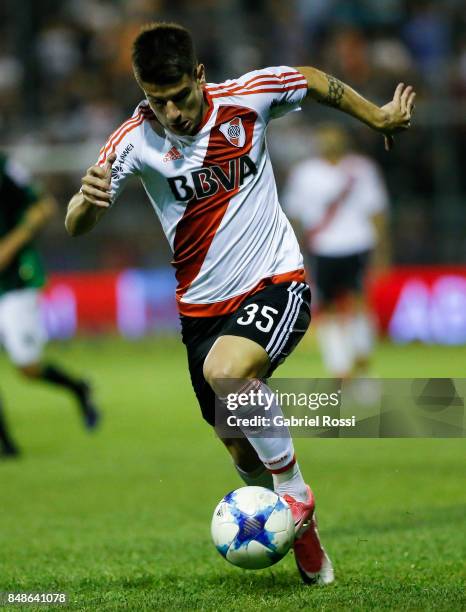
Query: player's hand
x,y
96,183
398,113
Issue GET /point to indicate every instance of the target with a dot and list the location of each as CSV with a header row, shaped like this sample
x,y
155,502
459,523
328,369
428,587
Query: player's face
x,y
178,107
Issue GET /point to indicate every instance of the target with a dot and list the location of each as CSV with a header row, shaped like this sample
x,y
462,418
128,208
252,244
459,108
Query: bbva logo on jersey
x,y
234,132
209,180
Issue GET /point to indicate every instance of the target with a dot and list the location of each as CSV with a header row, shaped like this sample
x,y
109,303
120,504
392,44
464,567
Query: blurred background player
x,y
23,212
340,201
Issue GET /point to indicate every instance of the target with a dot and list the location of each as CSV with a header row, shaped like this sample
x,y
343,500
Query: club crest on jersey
x,y
234,132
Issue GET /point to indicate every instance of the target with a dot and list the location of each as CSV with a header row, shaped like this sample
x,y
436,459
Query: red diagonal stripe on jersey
x,y
202,217
331,211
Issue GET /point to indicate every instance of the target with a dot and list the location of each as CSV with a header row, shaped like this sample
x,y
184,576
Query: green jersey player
x,y
24,210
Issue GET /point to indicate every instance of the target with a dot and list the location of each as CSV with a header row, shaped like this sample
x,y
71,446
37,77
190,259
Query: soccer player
x,y
340,202
199,150
24,210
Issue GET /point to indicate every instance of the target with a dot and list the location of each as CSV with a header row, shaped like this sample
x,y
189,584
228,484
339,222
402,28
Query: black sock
x,y
55,376
5,440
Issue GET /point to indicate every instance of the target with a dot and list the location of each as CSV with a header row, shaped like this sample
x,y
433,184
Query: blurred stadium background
x,y
66,83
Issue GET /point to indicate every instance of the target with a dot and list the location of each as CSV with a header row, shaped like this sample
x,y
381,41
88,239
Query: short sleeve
x,y
273,91
290,90
125,143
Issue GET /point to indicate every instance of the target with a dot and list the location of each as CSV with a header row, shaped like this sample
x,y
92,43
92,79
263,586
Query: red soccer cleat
x,y
313,562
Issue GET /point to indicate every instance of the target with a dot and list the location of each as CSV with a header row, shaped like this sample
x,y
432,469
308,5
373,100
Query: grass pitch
x,y
119,519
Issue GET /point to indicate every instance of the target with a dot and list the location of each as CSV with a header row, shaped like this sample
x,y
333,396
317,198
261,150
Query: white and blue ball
x,y
252,527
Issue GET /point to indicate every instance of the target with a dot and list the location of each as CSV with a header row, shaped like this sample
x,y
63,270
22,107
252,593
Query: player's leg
x,y
362,324
24,340
254,341
250,468
333,326
237,359
236,365
335,341
7,447
79,388
362,331
199,335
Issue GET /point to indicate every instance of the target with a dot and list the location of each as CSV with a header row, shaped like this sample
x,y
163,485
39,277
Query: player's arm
x,y
92,201
393,117
36,217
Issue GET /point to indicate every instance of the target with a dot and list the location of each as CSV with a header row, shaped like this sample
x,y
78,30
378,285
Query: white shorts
x,y
22,331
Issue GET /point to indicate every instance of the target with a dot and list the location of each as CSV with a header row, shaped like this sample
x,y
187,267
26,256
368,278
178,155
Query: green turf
x,y
120,519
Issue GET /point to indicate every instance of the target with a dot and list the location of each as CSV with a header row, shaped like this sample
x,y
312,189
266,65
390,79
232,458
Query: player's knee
x,y
221,375
215,372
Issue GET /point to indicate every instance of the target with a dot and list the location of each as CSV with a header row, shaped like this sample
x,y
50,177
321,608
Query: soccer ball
x,y
252,527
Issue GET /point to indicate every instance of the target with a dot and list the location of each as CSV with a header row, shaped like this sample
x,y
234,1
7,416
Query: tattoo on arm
x,y
336,89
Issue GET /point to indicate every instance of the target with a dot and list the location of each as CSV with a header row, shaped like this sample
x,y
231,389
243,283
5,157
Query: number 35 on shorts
x,y
261,317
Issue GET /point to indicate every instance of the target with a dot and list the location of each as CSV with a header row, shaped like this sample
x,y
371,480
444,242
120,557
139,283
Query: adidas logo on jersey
x,y
234,132
172,155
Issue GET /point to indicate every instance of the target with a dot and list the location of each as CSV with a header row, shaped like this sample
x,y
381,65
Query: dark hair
x,y
163,53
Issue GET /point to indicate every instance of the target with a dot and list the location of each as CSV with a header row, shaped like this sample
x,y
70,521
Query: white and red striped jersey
x,y
335,203
214,192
